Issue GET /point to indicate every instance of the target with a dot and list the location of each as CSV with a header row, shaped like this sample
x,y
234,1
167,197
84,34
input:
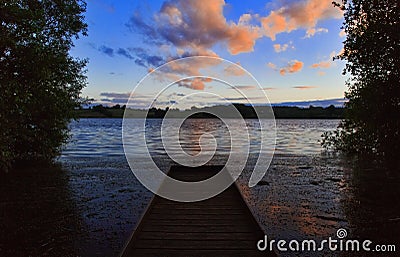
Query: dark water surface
x,y
102,137
91,206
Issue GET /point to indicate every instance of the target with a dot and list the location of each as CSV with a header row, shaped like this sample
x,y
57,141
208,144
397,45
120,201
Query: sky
x,y
286,45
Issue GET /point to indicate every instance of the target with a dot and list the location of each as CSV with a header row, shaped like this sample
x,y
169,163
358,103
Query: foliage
x,y
330,112
40,82
247,112
371,50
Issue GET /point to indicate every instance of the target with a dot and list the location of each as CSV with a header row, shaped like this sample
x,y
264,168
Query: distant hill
x,y
337,102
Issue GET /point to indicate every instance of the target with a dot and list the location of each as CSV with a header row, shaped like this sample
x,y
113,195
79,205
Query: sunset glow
x,y
286,45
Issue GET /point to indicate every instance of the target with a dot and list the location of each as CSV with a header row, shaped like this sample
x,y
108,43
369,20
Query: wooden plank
x,y
191,216
196,235
198,207
195,244
198,253
180,222
199,228
220,226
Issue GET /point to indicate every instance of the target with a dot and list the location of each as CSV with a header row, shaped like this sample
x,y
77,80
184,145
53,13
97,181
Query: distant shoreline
x,y
247,112
277,118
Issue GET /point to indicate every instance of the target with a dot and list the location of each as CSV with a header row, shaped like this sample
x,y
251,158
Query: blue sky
x,y
286,45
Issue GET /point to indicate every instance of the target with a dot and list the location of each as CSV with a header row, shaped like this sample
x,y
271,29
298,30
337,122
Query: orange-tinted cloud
x,y
312,31
326,63
195,83
194,27
248,87
299,14
242,39
323,64
342,33
198,25
234,70
271,65
192,66
245,19
304,87
273,24
268,88
292,67
187,67
280,48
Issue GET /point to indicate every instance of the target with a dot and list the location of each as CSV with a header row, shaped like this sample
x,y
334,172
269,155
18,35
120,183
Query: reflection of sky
x,y
286,45
293,136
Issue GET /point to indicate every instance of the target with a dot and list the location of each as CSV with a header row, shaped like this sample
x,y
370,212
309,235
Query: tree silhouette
x,y
40,82
371,50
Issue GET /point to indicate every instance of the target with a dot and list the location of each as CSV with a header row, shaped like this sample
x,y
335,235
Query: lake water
x,y
305,194
102,137
110,200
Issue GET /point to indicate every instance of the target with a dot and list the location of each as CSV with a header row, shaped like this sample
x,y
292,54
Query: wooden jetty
x,y
220,226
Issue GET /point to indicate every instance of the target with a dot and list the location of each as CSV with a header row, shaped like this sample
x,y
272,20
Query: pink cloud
x,y
292,67
195,83
249,87
194,27
198,25
269,88
299,14
313,31
271,65
326,63
280,48
245,19
192,66
304,87
242,39
323,64
234,70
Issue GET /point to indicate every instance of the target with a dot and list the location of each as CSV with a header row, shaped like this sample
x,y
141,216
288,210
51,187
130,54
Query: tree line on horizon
x,y
246,111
